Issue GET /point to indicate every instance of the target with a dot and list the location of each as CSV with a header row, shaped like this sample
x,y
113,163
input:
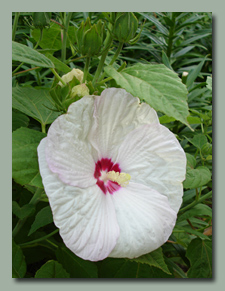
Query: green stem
x,y
206,196
17,68
114,58
39,239
120,46
108,42
65,31
16,18
86,69
33,201
171,32
57,76
43,128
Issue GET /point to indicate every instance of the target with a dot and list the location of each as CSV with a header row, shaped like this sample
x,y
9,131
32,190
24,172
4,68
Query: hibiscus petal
x,y
116,114
67,151
86,217
145,218
152,156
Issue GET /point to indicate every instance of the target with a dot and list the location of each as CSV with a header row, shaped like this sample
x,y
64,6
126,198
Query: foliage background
x,y
192,52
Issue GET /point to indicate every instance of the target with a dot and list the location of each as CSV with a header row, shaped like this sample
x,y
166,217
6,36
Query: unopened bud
x,y
80,91
41,19
125,27
78,74
89,38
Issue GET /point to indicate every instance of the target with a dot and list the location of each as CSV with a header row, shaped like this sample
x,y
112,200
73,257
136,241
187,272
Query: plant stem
x,y
40,239
57,76
16,18
86,69
120,46
43,128
206,196
108,42
171,32
33,201
65,31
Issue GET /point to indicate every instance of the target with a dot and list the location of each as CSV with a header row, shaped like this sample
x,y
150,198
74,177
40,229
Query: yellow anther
x,y
121,178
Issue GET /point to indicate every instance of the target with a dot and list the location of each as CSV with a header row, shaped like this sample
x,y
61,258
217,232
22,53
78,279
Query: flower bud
x,y
80,91
78,74
89,38
41,19
125,27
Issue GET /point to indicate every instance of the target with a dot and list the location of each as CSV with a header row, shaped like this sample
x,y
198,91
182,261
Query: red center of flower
x,y
102,167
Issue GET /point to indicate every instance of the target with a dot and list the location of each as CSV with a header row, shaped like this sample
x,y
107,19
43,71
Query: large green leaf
x,y
44,217
154,259
25,54
34,103
124,268
52,37
75,266
25,168
197,177
19,266
52,269
19,120
160,87
199,253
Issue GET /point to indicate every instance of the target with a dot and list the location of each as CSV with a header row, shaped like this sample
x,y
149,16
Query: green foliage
x,y
44,217
34,103
157,85
168,67
28,55
154,259
199,253
18,262
25,168
75,266
52,269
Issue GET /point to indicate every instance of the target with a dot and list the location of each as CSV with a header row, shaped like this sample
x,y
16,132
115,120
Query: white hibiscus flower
x,y
113,176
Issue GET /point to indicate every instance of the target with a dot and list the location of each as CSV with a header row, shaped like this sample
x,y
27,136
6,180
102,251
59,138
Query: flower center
x,y
121,178
109,176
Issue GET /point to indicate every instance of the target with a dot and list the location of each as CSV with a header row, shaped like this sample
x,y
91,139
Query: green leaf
x,y
25,54
51,38
160,87
209,83
24,211
19,266
197,177
191,161
198,210
182,52
60,66
154,259
194,73
44,217
52,269
19,120
75,266
34,103
199,253
199,140
189,230
166,61
125,268
25,169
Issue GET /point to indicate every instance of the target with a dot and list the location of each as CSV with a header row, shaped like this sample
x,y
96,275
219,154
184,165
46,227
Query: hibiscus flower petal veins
x,y
113,176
